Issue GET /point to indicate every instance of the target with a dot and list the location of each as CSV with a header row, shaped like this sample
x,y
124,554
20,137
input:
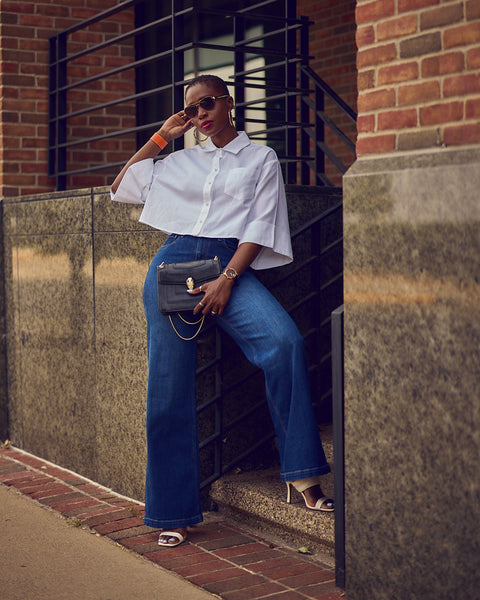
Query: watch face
x,y
230,273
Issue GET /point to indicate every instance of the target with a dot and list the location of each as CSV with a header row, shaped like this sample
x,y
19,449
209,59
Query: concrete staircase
x,y
257,499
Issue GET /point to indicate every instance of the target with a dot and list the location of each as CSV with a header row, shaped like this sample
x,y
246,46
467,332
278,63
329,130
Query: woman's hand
x,y
214,296
175,126
217,292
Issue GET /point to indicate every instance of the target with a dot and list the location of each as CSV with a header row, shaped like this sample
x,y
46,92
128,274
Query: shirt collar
x,y
241,141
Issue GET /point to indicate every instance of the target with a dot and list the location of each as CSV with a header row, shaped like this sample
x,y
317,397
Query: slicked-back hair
x,y
213,80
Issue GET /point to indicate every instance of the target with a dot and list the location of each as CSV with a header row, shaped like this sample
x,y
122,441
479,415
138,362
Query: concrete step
x,y
258,499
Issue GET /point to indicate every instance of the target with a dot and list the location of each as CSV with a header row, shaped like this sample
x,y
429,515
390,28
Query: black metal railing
x,y
279,100
232,411
313,112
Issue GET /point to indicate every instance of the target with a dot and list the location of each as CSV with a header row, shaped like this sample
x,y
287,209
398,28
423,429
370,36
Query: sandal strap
x,y
320,501
172,534
303,484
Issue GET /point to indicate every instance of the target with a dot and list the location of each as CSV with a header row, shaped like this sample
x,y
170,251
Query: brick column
x,y
419,74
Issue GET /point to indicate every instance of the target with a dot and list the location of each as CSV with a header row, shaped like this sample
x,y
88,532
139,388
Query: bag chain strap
x,y
201,321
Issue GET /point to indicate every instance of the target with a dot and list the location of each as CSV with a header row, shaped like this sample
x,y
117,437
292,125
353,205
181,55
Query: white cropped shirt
x,y
232,192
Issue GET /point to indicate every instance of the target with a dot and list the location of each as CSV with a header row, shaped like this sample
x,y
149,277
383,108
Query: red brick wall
x,y
24,91
332,45
418,74
24,86
106,120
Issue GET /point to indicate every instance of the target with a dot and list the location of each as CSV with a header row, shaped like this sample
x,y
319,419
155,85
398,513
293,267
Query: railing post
x,y
290,100
319,134
178,63
52,106
305,141
62,113
239,67
57,130
218,456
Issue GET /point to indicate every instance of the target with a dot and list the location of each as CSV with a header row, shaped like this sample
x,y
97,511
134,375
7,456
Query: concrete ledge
x,y
257,499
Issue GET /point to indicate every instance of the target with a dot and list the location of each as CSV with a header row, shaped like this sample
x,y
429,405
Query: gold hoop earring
x,y
195,135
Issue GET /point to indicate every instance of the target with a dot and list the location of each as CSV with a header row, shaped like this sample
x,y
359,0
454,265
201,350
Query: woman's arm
x,y
174,127
217,292
243,257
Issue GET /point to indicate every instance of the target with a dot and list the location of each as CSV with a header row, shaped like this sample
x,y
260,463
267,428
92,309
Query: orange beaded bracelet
x,y
158,139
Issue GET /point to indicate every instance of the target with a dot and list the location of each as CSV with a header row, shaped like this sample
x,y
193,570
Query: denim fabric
x,y
270,340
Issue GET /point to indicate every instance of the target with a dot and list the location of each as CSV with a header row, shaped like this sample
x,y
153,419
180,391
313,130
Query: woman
x,y
225,199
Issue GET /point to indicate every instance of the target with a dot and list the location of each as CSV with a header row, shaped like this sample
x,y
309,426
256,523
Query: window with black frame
x,y
211,38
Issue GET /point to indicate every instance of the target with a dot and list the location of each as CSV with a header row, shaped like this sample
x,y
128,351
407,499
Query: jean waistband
x,y
198,237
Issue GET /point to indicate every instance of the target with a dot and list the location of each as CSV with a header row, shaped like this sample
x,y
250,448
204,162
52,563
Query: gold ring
x,y
201,304
214,312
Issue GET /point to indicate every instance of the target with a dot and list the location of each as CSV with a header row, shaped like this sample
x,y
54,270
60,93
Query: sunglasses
x,y
206,103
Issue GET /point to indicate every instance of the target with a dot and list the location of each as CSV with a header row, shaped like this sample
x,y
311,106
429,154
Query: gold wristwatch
x,y
230,273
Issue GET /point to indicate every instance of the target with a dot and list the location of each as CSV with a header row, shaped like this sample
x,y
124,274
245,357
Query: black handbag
x,y
175,279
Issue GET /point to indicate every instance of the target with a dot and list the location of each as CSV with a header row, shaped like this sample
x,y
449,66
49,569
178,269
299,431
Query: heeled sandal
x,y
323,504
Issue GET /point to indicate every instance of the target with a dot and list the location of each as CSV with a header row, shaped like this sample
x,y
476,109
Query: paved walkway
x,y
219,559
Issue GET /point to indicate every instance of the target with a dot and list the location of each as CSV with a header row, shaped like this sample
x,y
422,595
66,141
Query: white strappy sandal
x,y
324,504
176,535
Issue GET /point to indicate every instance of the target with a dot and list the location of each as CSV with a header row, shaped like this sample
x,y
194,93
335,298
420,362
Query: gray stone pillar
x,y
412,366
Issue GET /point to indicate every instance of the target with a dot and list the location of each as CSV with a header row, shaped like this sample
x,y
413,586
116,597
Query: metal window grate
x,y
279,99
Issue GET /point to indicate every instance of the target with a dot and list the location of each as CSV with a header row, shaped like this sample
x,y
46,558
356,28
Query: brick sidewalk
x,y
218,556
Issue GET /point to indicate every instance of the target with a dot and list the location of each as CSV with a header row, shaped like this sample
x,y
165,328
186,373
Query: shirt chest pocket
x,y
240,183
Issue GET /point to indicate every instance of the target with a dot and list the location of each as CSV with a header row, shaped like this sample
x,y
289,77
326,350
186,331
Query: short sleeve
x,y
267,223
136,182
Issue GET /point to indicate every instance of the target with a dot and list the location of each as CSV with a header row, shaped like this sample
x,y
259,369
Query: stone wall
x,y
75,264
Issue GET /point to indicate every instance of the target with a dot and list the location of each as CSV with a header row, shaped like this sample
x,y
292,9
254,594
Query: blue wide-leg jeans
x,y
270,340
